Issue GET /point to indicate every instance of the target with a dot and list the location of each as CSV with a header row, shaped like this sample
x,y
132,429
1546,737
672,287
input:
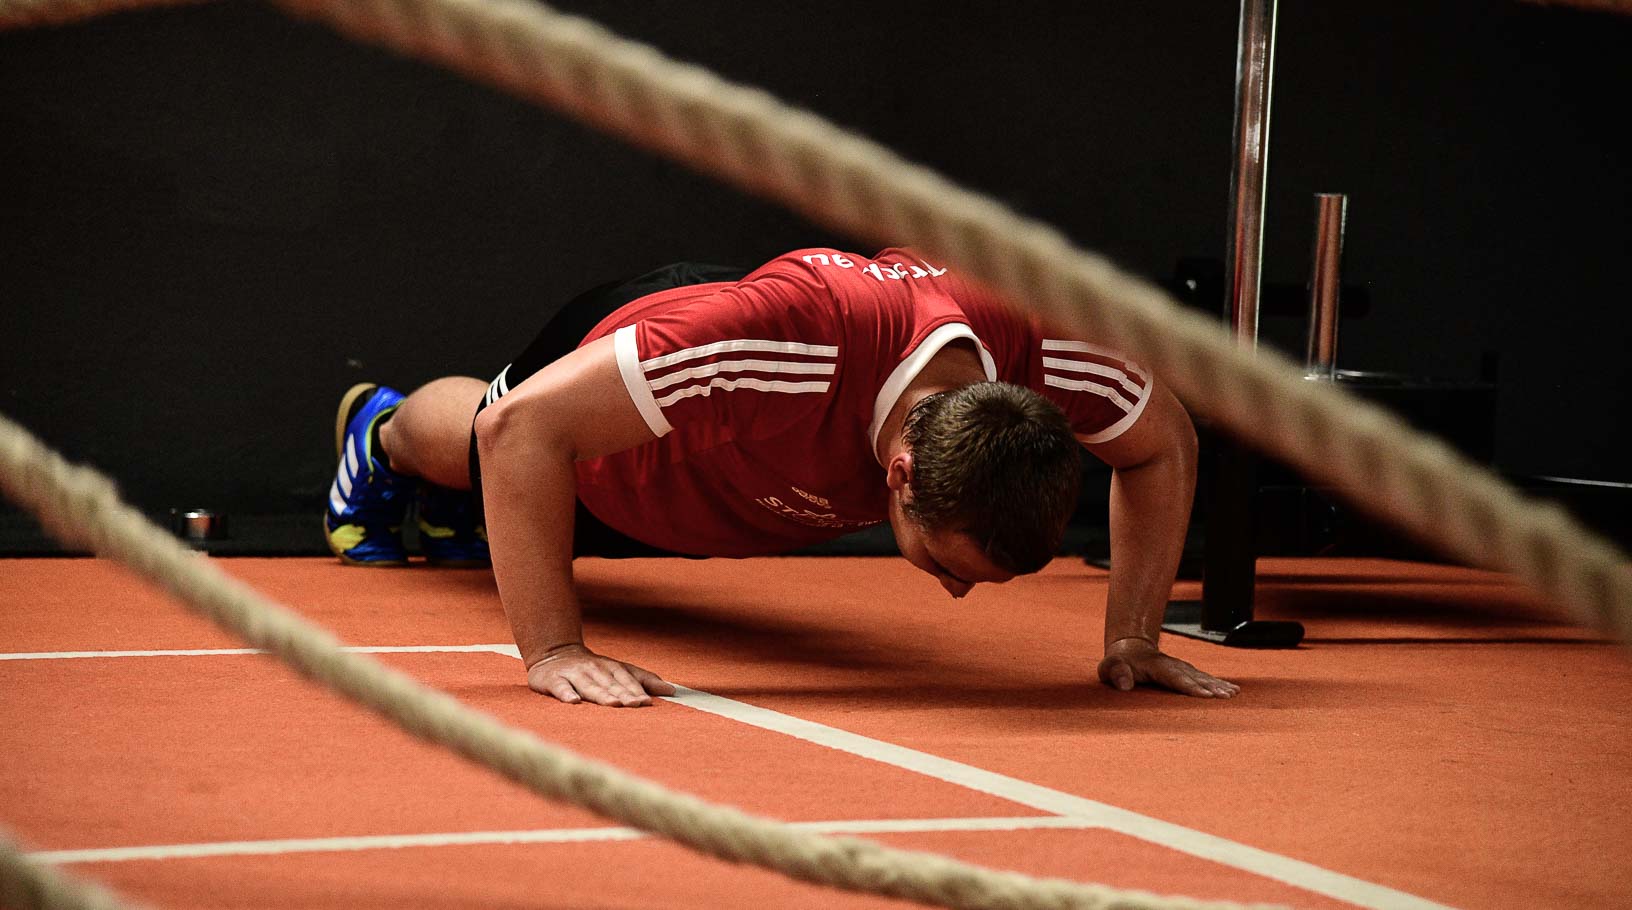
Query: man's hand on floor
x,y
1132,661
575,673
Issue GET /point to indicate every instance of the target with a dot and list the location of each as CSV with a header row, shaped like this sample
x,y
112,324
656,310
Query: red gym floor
x,y
1441,739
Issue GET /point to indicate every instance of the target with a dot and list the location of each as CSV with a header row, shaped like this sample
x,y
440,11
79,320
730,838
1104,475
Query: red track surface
x,y
1440,733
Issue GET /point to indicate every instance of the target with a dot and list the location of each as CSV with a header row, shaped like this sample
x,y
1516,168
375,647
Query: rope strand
x,y
28,885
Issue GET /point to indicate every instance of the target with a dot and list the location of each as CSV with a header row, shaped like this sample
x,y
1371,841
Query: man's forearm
x,y
529,495
1149,513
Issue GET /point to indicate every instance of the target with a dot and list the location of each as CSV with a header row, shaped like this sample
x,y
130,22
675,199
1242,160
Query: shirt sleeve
x,y
1101,391
747,361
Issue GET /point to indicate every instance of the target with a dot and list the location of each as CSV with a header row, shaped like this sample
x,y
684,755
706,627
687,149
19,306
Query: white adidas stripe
x,y
335,500
737,366
499,387
1083,347
1083,385
741,344
759,385
1097,369
348,466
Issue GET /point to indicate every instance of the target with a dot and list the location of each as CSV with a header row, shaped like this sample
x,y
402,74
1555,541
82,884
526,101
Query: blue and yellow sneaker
x,y
449,532
367,502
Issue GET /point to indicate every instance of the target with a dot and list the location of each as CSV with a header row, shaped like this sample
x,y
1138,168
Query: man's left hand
x,y
1132,661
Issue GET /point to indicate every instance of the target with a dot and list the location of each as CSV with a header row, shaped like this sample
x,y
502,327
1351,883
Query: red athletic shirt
x,y
766,395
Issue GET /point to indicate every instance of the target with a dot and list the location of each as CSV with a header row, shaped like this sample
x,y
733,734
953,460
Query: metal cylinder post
x,y
1229,563
1325,284
1254,74
1229,569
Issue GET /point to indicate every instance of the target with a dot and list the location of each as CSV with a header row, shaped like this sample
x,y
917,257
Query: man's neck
x,y
952,367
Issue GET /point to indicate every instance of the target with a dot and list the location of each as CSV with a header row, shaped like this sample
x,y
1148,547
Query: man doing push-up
x,y
700,411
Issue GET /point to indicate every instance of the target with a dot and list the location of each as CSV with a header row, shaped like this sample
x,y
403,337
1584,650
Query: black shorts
x,y
560,337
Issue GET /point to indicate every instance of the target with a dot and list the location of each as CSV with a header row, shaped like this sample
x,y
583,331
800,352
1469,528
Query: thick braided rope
x,y
748,138
25,883
1623,7
81,507
27,13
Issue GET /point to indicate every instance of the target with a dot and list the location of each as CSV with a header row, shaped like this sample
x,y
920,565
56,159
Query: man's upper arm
x,y
1103,393
1163,427
580,399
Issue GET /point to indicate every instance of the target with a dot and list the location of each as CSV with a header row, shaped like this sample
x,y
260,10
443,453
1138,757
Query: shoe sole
x,y
374,564
341,419
369,564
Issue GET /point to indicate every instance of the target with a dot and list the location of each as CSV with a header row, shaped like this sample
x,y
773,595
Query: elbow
x,y
491,424
1185,451
1186,444
515,427
496,426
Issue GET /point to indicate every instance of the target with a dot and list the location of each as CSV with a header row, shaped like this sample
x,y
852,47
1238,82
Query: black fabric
x,y
560,337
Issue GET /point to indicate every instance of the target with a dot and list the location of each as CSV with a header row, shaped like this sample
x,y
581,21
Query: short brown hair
x,y
997,462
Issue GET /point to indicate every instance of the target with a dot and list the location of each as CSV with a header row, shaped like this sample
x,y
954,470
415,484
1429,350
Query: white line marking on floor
x,y
542,836
1196,843
1079,811
508,650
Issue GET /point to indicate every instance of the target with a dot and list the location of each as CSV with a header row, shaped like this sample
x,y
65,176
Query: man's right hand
x,y
574,673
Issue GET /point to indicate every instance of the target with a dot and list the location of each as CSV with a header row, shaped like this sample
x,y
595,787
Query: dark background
x,y
215,219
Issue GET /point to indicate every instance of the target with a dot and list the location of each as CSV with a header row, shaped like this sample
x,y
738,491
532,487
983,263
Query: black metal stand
x,y
1230,561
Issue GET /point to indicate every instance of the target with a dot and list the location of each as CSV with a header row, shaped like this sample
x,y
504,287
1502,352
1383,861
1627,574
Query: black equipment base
x,y
1184,618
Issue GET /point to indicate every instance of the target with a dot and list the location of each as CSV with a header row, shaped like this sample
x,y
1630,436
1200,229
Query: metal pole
x,y
1230,562
1254,73
1325,284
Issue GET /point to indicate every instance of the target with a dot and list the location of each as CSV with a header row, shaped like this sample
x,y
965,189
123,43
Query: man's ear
x,y
898,473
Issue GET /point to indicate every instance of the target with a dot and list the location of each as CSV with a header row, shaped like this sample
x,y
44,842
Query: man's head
x,y
985,485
